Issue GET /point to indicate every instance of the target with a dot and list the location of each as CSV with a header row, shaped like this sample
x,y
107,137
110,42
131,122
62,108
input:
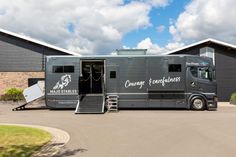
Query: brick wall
x,y
17,79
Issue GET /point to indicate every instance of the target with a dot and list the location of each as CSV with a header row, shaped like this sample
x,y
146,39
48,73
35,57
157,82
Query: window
x,y
208,52
69,69
112,74
174,68
203,73
57,69
200,72
63,69
193,71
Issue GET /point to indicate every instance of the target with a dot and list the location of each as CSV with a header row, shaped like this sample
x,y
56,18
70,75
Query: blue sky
x,y
158,16
100,27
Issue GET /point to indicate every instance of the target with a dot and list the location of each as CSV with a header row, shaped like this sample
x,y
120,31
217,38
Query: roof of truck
x,y
122,56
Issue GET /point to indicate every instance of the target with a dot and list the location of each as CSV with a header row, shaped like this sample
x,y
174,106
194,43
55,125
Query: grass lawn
x,y
17,141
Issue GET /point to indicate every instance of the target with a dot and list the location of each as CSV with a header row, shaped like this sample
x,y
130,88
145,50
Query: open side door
x,y
92,98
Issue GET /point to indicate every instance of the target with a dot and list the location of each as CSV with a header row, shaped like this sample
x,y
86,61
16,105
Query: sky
x,y
102,26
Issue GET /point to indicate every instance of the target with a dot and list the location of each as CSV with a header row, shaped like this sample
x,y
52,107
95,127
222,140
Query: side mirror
x,y
210,75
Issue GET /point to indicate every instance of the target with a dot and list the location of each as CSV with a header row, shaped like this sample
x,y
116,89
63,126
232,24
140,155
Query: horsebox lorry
x,y
91,83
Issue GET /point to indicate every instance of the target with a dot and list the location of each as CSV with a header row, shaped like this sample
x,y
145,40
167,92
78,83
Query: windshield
x,y
201,72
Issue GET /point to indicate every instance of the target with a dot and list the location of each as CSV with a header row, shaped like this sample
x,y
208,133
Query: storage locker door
x,y
112,83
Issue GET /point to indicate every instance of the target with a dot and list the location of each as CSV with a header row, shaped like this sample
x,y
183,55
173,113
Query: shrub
x,y
233,97
13,94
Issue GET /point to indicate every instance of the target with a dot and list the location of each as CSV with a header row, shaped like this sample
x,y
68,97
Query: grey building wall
x,y
18,55
225,72
225,62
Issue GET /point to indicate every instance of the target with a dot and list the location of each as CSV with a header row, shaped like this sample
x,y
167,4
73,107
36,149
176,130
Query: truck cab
x,y
201,84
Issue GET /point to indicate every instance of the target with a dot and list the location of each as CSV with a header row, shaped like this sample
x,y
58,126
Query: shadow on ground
x,y
69,152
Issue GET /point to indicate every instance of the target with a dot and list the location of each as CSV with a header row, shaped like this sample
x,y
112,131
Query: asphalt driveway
x,y
139,133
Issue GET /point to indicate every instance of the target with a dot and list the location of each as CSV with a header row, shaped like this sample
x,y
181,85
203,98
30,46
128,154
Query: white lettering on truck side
x,y
133,84
163,81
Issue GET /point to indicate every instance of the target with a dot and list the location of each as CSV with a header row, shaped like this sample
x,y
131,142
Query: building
x,y
224,58
22,59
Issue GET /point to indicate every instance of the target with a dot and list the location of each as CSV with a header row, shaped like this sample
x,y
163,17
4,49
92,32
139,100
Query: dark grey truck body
x,y
139,81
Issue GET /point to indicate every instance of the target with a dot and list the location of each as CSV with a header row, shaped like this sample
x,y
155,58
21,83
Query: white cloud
x,y
94,26
150,46
203,19
160,28
173,45
153,48
157,3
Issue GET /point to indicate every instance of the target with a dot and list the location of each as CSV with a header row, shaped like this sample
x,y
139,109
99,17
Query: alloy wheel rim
x,y
198,103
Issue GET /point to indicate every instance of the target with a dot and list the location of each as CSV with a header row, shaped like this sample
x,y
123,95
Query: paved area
x,y
138,133
58,141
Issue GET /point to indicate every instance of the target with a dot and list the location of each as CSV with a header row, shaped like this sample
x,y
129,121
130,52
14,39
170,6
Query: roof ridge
x,y
36,41
201,42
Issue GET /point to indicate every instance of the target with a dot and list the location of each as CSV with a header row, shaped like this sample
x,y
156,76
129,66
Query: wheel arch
x,y
196,95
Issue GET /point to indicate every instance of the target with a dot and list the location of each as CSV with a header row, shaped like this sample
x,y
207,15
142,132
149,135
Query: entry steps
x,y
91,103
112,103
31,94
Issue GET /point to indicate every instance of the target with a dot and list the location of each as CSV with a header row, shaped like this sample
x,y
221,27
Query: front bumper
x,y
212,104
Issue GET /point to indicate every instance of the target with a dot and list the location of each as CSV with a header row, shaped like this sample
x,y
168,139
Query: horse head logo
x,y
63,82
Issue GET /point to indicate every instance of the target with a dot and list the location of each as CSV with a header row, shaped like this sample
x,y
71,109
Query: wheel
x,y
198,103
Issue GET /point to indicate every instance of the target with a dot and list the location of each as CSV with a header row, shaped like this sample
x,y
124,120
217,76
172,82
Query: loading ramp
x,y
21,107
91,103
31,94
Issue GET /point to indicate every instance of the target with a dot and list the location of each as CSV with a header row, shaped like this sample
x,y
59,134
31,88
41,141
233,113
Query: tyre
x,y
198,103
